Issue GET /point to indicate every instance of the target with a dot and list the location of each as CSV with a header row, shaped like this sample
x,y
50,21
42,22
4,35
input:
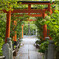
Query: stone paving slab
x,y
28,50
32,48
22,56
33,55
23,49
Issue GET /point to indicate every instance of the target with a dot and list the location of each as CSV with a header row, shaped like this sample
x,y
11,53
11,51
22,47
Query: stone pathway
x,y
28,50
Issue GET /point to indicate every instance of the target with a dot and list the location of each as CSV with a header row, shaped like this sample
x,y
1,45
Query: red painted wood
x,y
31,20
45,31
22,31
29,8
44,28
15,36
4,11
33,15
8,26
49,8
27,11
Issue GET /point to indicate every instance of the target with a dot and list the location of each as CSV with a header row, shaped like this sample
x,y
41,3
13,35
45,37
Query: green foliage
x,y
44,46
53,26
7,4
39,23
18,26
39,41
2,30
32,27
19,29
1,44
39,6
52,22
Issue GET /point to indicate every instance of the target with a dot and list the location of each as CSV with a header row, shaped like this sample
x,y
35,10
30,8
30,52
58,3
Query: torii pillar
x,y
8,25
44,28
15,36
22,30
49,9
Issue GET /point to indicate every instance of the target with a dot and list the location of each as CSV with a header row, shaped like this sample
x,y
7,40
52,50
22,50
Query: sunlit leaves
x,y
2,30
43,46
53,25
6,4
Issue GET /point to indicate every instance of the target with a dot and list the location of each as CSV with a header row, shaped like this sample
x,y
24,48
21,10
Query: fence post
x,y
51,50
46,52
10,46
7,49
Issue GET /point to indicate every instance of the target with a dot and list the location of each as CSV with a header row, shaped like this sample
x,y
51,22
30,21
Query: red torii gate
x,y
29,10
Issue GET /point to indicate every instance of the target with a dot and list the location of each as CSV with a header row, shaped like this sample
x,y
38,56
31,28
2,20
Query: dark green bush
x,y
43,46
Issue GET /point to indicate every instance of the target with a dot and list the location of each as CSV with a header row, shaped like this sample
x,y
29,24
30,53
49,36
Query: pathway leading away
x,y
28,50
